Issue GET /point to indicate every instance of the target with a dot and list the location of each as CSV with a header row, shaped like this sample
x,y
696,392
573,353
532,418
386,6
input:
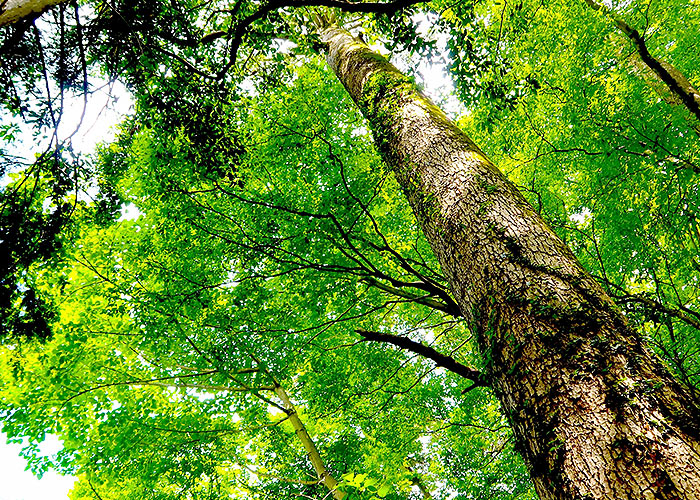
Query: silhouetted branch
x,y
425,351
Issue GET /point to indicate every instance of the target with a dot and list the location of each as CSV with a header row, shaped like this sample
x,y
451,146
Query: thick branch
x,y
439,359
13,10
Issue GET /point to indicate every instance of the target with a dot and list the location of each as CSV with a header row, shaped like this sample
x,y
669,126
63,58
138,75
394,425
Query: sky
x,y
16,483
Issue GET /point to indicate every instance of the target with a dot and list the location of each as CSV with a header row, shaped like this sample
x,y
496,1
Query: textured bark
x,y
678,85
13,10
595,414
323,474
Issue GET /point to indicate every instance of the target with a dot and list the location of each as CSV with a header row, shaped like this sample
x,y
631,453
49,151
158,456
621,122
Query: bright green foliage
x,y
268,230
266,264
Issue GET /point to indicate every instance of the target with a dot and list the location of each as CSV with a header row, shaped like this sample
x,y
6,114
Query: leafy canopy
x,y
269,234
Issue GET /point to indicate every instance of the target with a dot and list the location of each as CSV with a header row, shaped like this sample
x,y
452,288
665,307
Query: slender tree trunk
x,y
595,414
14,10
416,480
323,474
679,86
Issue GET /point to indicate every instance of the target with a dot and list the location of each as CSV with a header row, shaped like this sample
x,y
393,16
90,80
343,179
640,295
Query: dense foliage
x,y
269,236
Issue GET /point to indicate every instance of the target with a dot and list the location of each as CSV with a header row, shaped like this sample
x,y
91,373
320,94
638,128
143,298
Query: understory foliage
x,y
241,233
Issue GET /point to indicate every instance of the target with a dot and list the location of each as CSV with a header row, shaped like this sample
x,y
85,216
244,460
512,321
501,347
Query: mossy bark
x,y
595,414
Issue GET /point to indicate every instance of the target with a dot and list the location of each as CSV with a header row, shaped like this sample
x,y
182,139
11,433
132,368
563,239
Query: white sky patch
x,y
583,217
273,410
432,74
82,125
249,87
359,131
129,211
427,334
232,280
283,45
425,442
106,107
201,394
20,484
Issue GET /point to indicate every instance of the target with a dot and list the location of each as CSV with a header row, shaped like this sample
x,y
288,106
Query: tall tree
x,y
595,150
595,413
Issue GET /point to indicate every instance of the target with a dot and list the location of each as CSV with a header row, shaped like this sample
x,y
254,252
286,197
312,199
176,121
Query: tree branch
x,y
682,313
448,308
680,86
425,351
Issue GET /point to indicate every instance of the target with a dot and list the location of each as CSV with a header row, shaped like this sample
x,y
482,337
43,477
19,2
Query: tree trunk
x,y
595,414
322,472
14,10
